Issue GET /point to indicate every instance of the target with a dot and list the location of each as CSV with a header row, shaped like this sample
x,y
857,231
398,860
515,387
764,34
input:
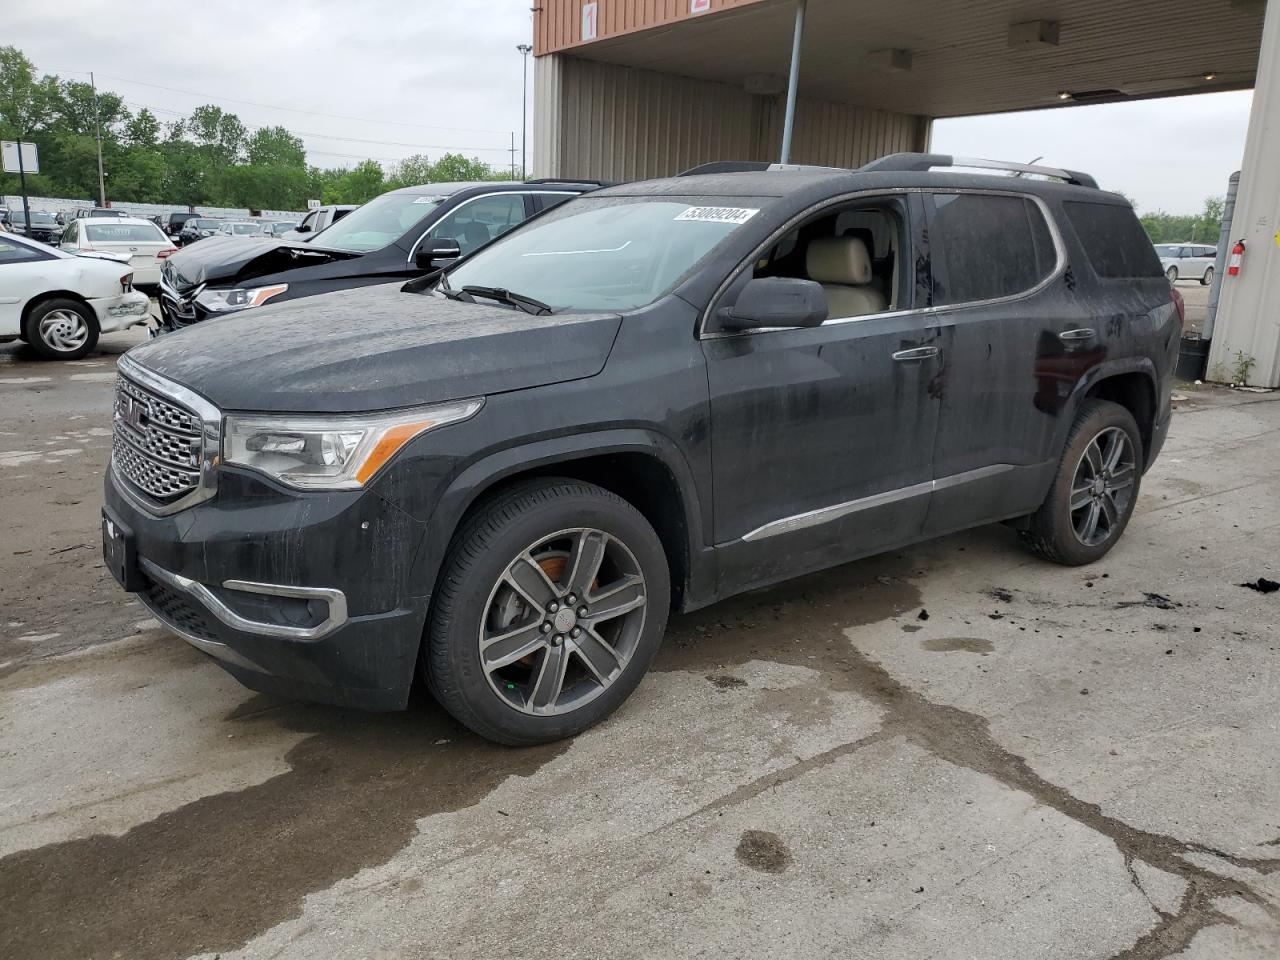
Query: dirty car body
x,y
736,379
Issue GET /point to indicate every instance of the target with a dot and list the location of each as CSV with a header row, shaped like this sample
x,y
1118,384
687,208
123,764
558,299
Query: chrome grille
x,y
156,443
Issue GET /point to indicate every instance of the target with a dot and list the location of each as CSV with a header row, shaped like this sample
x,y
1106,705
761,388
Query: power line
x,y
271,106
335,137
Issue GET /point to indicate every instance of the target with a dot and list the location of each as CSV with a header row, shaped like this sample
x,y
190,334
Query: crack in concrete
x,y
964,739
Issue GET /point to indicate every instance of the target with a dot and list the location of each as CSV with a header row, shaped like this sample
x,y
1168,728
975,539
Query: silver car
x,y
1187,261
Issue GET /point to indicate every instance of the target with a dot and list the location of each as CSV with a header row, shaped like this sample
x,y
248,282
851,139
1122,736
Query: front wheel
x,y
1207,278
1172,274
1095,489
61,329
552,603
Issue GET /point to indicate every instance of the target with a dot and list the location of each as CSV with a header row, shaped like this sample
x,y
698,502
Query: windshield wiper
x,y
448,291
520,302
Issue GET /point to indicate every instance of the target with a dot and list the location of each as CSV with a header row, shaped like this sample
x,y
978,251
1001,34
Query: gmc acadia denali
x,y
503,476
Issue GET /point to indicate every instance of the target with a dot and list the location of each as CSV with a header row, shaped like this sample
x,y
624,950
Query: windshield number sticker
x,y
718,214
424,200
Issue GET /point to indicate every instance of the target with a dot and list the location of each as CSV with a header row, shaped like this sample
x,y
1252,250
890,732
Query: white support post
x,y
1248,321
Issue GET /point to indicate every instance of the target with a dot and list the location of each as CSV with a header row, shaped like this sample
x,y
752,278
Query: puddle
x,y
763,851
211,875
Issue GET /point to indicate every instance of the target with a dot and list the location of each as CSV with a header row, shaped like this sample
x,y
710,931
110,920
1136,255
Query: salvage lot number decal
x,y
718,214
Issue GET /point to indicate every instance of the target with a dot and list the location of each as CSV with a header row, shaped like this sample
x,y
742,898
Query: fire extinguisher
x,y
1237,255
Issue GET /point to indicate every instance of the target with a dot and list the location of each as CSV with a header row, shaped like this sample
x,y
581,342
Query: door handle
x,y
1074,336
915,353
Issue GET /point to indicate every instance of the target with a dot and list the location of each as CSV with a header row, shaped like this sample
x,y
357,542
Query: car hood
x,y
375,348
231,261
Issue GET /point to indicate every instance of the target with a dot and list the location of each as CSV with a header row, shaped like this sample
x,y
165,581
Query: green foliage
x,y
207,158
1164,227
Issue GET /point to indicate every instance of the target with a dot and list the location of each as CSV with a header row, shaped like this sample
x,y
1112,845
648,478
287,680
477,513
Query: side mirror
x,y
302,228
434,254
776,302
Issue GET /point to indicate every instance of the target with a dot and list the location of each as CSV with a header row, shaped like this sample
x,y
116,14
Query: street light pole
x,y
97,126
525,49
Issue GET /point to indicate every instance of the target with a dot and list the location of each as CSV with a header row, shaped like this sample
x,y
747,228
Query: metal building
x,y
627,89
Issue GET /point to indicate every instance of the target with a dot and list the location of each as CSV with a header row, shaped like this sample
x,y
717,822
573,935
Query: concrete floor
x,y
1070,763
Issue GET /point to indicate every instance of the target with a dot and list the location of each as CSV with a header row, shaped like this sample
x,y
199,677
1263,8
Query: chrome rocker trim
x,y
812,518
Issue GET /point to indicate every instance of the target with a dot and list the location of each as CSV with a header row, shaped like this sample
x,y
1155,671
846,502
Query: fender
x,y
1094,375
480,476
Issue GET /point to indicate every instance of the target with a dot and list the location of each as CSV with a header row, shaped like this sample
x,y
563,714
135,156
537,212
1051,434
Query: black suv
x,y
400,234
658,394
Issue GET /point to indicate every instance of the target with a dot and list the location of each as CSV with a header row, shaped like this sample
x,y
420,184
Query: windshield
x,y
241,229
204,224
36,217
124,233
379,223
607,253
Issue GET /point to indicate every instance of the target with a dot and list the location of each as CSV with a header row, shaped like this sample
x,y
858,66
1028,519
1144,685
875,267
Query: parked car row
x,y
399,235
498,478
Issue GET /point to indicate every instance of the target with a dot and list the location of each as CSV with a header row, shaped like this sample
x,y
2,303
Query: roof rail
x,y
923,162
598,183
726,166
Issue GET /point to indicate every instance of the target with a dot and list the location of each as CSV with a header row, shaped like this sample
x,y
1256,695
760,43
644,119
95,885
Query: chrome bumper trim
x,y
335,599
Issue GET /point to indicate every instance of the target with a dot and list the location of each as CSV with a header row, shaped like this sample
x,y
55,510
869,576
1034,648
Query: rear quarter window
x,y
1113,240
988,246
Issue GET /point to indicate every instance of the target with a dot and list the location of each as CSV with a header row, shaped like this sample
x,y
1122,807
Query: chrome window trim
x,y
470,200
335,599
1059,267
813,518
210,440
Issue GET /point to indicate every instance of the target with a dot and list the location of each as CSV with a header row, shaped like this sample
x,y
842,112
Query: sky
x,y
385,79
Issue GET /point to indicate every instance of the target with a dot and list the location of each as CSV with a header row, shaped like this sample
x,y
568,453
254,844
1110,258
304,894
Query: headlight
x,y
241,298
331,453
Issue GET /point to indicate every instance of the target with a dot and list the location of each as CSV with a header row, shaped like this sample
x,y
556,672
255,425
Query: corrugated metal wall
x,y
620,123
558,23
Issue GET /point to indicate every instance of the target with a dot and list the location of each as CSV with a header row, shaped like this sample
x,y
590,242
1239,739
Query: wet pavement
x,y
1050,764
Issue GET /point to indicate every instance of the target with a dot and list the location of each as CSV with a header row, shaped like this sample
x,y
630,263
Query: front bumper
x,y
122,312
302,596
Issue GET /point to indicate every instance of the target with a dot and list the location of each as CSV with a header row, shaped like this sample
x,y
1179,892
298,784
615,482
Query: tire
x,y
1101,492
533,536
1207,278
61,329
1172,274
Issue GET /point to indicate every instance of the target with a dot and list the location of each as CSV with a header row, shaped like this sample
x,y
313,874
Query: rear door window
x,y
1113,240
986,247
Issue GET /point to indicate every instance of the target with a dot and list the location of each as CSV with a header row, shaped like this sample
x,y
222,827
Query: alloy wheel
x,y
562,621
63,331
1102,486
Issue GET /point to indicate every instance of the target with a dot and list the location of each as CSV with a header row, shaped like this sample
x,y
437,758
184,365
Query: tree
x,y
143,130
24,102
275,147
357,185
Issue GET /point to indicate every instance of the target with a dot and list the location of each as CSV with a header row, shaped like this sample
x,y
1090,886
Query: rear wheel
x,y
61,329
1172,274
1096,487
553,601
1207,278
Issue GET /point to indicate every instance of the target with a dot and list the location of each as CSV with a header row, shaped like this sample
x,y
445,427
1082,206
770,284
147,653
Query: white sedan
x,y
140,243
59,303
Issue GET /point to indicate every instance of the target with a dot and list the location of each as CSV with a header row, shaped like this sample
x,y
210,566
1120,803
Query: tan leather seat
x,y
843,266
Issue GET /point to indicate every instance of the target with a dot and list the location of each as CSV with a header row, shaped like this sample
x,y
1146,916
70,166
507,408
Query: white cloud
x,y
1166,154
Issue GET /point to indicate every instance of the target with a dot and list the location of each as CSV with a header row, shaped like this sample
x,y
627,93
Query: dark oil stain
x,y
911,628
722,681
958,645
212,874
763,851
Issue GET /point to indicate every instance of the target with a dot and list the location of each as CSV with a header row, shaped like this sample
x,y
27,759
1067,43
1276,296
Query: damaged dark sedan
x,y
398,235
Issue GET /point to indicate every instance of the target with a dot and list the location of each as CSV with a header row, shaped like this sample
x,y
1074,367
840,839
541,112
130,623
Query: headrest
x,y
838,260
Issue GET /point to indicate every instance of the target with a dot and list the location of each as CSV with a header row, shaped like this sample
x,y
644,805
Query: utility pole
x,y
97,126
525,49
513,154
